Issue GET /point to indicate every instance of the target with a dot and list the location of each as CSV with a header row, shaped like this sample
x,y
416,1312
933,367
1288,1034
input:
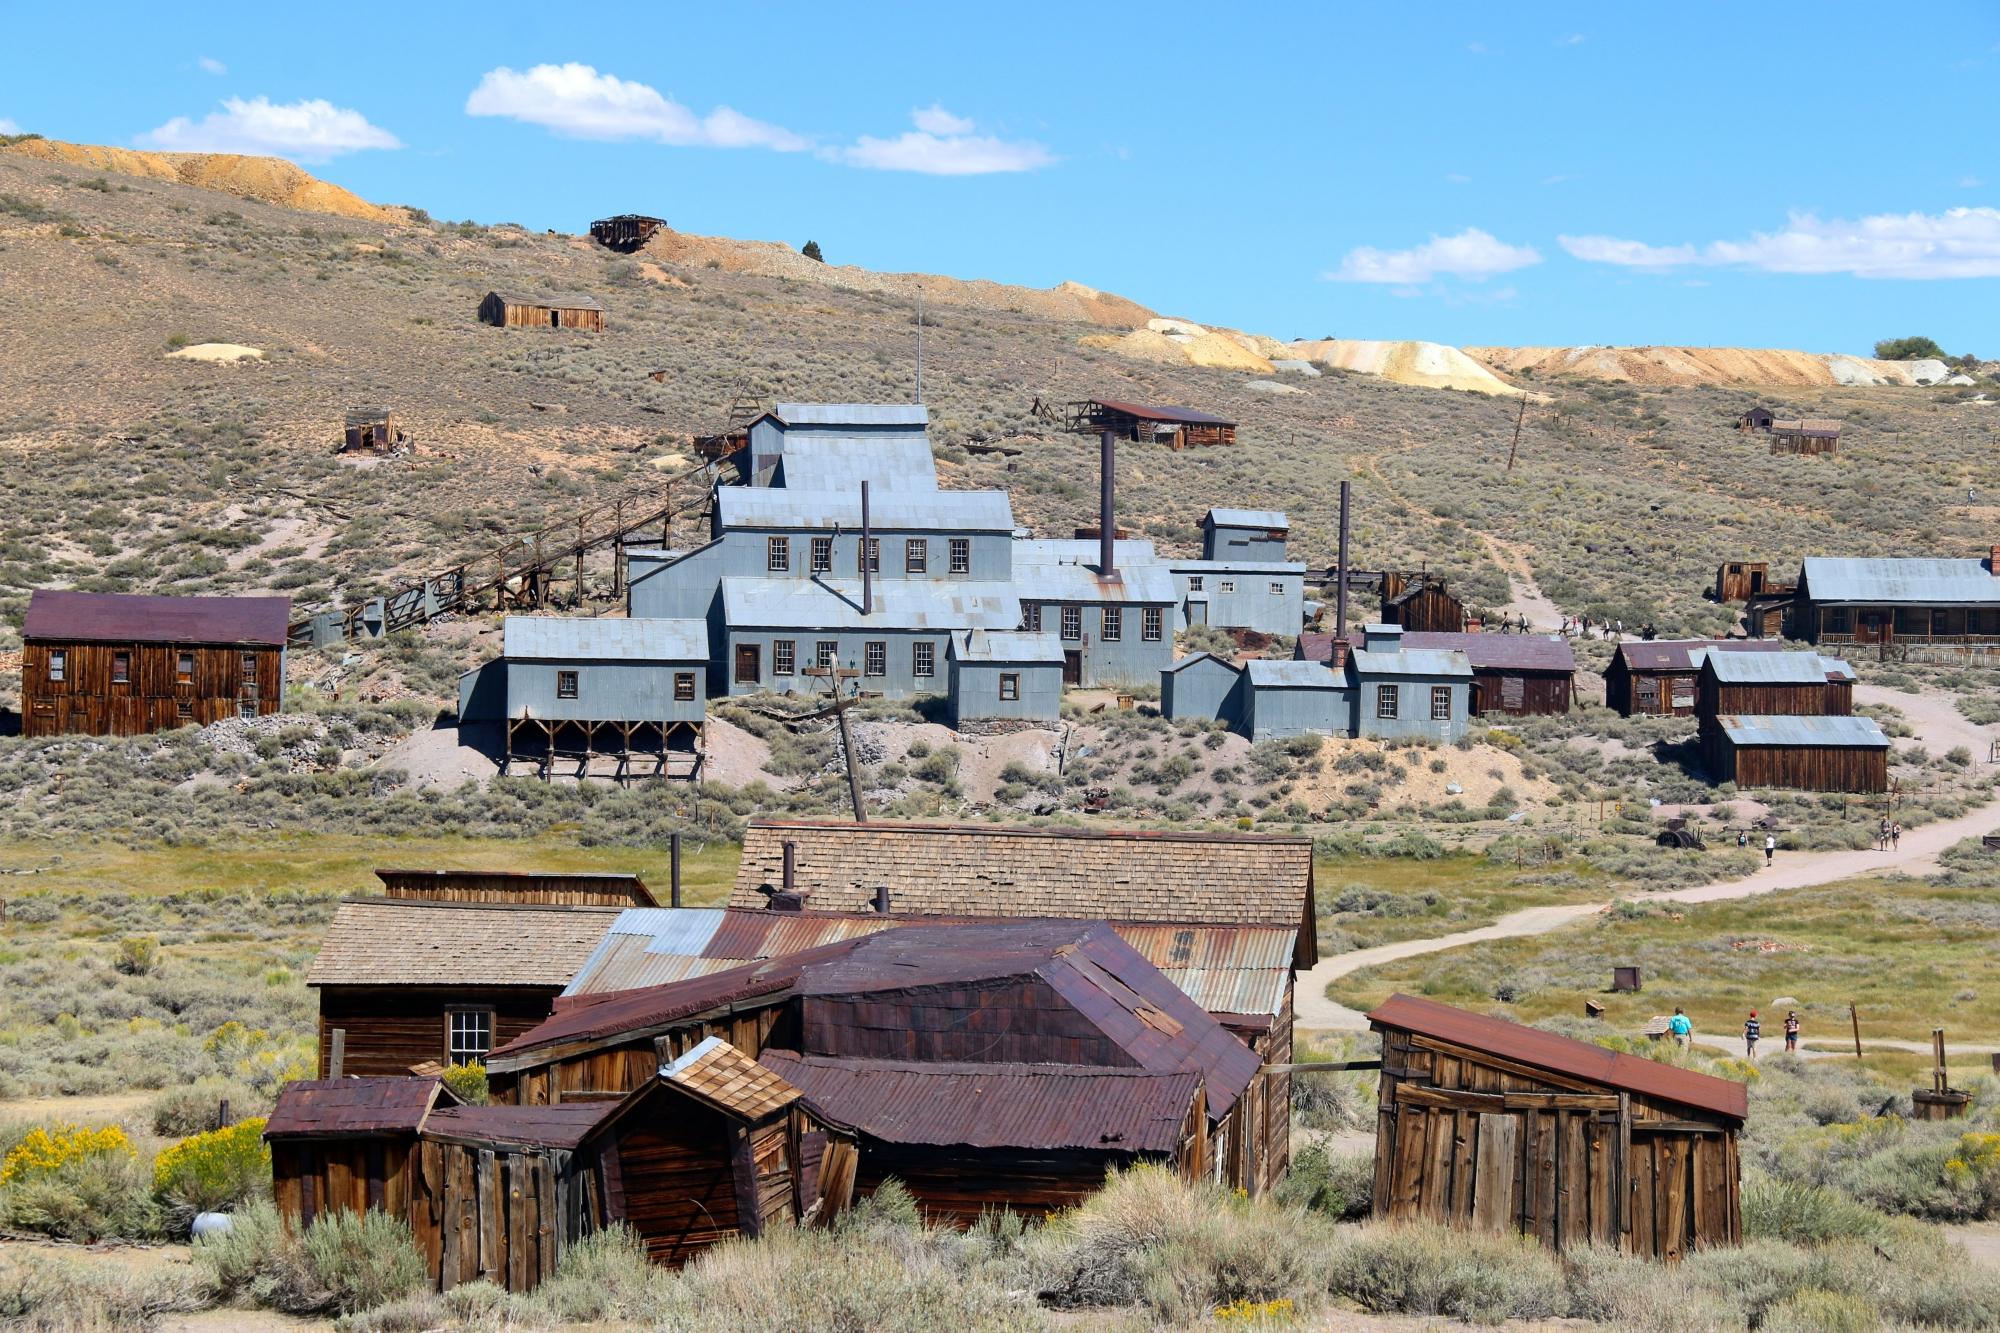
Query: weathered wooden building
x,y
1522,674
1421,603
1148,423
113,664
1656,677
1757,418
560,311
1809,435
404,982
1840,754
1889,601
1740,580
1784,684
370,430
625,232
563,888
1488,1124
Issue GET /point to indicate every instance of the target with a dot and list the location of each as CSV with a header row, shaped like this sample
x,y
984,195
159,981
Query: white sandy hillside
x,y
1430,365
1713,365
1180,342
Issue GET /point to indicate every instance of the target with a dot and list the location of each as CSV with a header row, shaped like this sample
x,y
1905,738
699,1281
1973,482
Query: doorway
x,y
749,664
555,319
1072,666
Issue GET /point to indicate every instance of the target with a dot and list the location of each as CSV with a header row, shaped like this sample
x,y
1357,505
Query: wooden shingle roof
x,y
716,1073
409,942
1073,874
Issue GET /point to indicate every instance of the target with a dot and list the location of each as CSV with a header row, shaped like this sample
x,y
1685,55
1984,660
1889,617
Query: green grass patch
x,y
1365,900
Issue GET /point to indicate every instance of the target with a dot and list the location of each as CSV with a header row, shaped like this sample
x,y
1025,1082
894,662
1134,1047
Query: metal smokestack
x,y
790,880
1107,503
1340,604
867,565
674,868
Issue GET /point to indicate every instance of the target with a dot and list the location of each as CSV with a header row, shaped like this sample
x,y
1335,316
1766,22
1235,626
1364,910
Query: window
x,y
468,1035
1151,625
778,557
822,555
1010,686
1277,589
826,652
1072,622
1440,703
961,555
566,684
1227,585
1031,616
923,659
916,555
249,668
1114,624
873,547
184,668
875,658
1196,581
58,663
121,669
683,687
784,657
1386,699
185,710
247,706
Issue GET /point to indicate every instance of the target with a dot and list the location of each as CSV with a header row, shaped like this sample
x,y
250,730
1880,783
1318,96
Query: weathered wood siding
x,y
1714,698
1432,610
1649,693
677,1184
311,1179
1798,767
507,315
225,681
615,1070
1523,693
391,1028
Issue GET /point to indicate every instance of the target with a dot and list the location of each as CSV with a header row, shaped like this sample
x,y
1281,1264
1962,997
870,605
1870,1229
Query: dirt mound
x,y
269,180
1710,365
1070,301
1430,365
1176,342
227,353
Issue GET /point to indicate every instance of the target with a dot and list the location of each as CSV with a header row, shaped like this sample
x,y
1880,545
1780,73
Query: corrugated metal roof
x,y
1185,416
1290,674
1562,1055
1917,581
1193,658
564,1125
412,942
336,1107
1135,583
852,414
1841,732
1033,1107
1010,646
1838,668
1081,550
627,962
572,638
108,617
1248,568
1681,654
1421,662
1766,668
835,604
716,1073
901,511
888,463
1247,518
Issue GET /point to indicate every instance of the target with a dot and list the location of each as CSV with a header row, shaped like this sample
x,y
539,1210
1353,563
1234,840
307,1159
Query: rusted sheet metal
x,y
1680,654
105,617
1186,416
561,1126
1250,947
336,1107
1019,1106
1561,1055
758,934
1233,991
626,962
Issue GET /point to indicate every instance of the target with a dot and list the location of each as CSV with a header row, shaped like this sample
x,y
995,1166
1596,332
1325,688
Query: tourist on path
x,y
1792,1031
1751,1031
1895,834
1770,847
1682,1030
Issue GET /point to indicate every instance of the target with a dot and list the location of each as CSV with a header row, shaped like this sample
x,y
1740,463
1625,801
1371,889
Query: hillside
x,y
1736,366
269,180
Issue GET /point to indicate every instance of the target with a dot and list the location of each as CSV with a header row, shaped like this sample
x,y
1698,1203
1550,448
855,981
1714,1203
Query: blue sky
x,y
1776,175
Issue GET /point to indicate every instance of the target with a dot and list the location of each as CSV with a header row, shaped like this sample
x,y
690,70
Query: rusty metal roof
x,y
1041,1107
344,1107
107,617
1562,1055
560,1126
717,1074
1681,654
1185,416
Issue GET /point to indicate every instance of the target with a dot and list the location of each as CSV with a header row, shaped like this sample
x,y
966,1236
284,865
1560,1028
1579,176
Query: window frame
x,y
121,668
1111,624
1010,687
961,555
1072,622
821,555
488,1023
1226,585
1197,583
684,692
1388,702
58,665
183,668
868,556
874,658
1440,703
1153,626
249,664
826,653
569,683
784,657
916,555
1031,617
923,659
1277,588
777,555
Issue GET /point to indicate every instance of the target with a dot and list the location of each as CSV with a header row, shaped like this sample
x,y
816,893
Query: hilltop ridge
x,y
270,180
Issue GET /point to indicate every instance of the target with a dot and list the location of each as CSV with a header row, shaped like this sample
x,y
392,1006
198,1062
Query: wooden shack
x,y
1492,1125
370,430
1740,580
1784,684
1809,753
1656,677
1912,600
404,982
1757,418
550,888
1421,603
559,311
1526,675
1809,435
1147,423
115,664
625,232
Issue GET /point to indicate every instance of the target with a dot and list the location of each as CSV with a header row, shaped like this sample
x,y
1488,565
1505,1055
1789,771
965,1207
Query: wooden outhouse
x,y
113,664
558,311
370,430
1500,1127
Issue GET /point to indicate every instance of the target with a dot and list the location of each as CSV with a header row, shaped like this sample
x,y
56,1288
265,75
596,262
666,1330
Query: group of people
x,y
1582,627
1890,836
1682,1030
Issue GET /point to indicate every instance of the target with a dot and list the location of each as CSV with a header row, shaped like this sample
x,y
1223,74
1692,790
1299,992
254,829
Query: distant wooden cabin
x,y
1837,754
1521,674
1490,1125
1775,684
1810,435
112,664
626,232
370,430
568,311
1656,677
1887,601
1422,604
1741,580
1148,423
531,887
1757,418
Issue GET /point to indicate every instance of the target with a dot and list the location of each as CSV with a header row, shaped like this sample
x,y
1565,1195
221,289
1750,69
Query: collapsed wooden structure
x,y
1499,1127
625,232
370,430
1807,435
1147,423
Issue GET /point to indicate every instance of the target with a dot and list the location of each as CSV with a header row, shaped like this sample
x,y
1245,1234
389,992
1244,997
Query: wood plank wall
x,y
390,1029
154,697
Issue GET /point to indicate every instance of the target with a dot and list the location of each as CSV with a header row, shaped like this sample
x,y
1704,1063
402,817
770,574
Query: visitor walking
x,y
1791,1031
1770,847
1751,1031
1882,838
1682,1030
1895,834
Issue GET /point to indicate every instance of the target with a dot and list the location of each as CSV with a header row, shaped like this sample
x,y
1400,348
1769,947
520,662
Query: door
x,y
1646,694
1073,666
749,664
1197,612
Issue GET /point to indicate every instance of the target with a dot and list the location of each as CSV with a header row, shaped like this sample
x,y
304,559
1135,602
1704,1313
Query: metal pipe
x,y
1340,604
882,899
1107,528
790,880
867,564
674,868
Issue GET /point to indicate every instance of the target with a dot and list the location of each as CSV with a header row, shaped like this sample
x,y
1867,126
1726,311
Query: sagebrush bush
x,y
194,1108
344,1262
1424,1268
47,1293
214,1172
1805,1214
88,1197
1340,1185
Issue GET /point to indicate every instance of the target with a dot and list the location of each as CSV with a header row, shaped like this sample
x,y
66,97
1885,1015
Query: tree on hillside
x,y
1908,349
812,252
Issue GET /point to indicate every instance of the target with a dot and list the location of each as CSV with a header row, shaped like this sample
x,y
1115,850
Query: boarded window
x,y
468,1035
875,658
566,684
961,555
58,664
784,657
778,558
1387,699
822,555
184,668
247,706
1072,622
1114,623
1153,623
1440,703
1513,692
683,687
1010,686
923,659
826,652
121,669
916,555
1683,694
249,664
1031,616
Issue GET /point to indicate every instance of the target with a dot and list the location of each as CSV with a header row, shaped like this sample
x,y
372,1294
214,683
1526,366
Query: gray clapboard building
x,y
1243,580
1004,676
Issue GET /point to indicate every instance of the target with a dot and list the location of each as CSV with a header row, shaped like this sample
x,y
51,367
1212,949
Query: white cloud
x,y
1470,254
942,144
210,65
1957,243
1969,182
1554,180
311,131
8,127
576,100
1458,178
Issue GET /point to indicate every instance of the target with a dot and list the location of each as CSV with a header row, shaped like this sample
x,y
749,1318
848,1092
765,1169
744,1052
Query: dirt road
x,y
1525,598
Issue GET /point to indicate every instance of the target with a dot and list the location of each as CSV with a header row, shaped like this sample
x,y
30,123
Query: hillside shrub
x,y
195,1108
76,1184
214,1172
1424,1268
49,1292
344,1262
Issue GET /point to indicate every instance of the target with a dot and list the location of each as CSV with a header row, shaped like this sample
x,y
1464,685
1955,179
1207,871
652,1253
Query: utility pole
x,y
920,344
1519,417
838,707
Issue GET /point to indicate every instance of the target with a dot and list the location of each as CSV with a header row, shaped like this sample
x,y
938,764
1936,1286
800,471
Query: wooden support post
x,y
1854,1015
336,1054
1519,417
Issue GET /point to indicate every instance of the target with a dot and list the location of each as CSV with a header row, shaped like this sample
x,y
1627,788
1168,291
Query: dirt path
x,y
1525,597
